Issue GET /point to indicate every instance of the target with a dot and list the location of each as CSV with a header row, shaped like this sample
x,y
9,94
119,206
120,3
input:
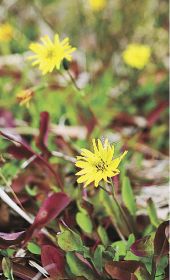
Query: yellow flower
x,y
6,32
49,55
99,165
97,5
136,55
24,97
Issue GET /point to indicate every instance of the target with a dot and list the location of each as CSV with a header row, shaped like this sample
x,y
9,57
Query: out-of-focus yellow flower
x,y
136,55
97,5
49,55
6,32
99,165
24,97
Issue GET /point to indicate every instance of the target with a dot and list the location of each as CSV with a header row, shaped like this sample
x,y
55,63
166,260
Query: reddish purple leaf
x,y
41,139
122,270
6,118
9,239
28,150
48,211
87,118
19,152
53,261
155,114
29,178
161,245
143,247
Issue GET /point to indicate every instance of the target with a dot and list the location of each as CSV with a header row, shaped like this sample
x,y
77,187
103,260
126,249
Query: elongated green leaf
x,y
128,196
34,248
151,210
97,261
84,222
7,268
103,235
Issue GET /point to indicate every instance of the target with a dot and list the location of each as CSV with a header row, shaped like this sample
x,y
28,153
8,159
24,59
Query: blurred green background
x,y
114,97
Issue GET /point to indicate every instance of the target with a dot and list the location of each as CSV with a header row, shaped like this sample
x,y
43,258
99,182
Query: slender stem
x,y
121,209
9,187
115,225
73,81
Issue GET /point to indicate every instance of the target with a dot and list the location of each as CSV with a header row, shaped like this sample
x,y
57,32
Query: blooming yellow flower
x,y
6,32
97,5
136,55
99,165
49,55
24,97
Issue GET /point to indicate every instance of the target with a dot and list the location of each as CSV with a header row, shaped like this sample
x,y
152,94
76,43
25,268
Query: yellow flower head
x,y
24,97
136,55
49,55
6,32
99,165
97,5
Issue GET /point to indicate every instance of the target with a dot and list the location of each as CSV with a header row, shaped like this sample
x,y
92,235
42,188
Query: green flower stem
x,y
115,225
120,208
73,81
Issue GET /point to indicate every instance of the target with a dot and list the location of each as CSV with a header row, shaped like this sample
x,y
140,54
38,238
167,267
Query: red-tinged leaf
x,y
28,149
48,211
9,239
122,270
142,274
29,178
83,260
155,114
87,118
161,245
41,139
6,118
19,152
62,145
143,247
53,261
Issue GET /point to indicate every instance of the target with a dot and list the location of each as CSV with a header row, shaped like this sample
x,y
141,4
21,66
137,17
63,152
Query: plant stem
x,y
73,81
115,225
121,209
9,187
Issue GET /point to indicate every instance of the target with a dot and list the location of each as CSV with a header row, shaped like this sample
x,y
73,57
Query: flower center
x,y
101,166
50,54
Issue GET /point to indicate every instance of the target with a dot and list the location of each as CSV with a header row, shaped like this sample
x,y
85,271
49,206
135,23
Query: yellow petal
x,y
115,162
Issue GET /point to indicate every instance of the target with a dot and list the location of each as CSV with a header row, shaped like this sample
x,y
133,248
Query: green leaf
x,y
34,248
78,267
7,268
103,235
32,191
120,249
151,210
128,196
97,261
111,207
84,222
130,241
68,240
